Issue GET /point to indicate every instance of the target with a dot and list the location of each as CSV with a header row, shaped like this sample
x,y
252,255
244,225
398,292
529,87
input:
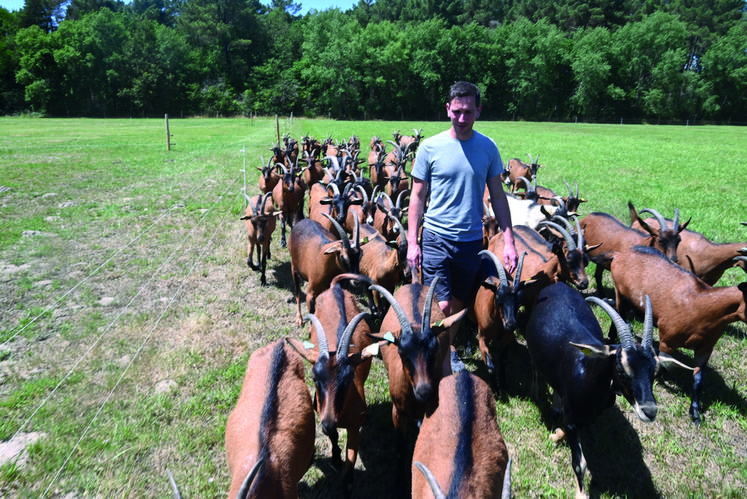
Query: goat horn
x,y
335,189
579,235
362,192
400,197
321,337
569,242
386,197
658,216
648,326
426,315
344,345
498,266
570,192
527,183
576,184
264,203
438,493
247,483
356,230
676,222
404,321
623,330
343,235
519,267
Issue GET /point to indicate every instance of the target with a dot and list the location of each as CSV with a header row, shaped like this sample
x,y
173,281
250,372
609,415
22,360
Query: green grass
x,y
134,296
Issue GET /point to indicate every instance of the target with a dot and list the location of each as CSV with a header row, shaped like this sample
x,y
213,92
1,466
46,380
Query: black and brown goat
x,y
460,450
384,261
260,224
414,359
689,313
608,234
269,177
516,168
340,369
494,311
270,433
702,257
566,346
288,196
317,256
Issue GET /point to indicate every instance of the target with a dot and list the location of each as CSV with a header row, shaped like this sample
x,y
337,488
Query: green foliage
x,y
387,59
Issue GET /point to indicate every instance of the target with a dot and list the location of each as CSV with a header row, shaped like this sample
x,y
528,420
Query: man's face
x,y
463,113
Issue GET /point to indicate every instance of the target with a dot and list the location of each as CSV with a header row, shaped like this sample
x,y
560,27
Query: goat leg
x,y
283,243
577,459
262,265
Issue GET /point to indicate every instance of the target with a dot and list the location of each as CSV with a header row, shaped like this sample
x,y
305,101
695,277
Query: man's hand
x,y
510,258
414,258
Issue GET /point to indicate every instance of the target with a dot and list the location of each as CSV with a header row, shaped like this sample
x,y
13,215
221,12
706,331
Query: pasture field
x,y
128,313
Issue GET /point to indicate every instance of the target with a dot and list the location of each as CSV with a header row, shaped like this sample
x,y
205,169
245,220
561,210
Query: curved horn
x,y
519,267
261,208
570,192
404,321
623,331
438,493
400,196
527,183
658,216
426,315
321,336
648,326
676,222
362,192
344,345
247,483
343,235
498,266
569,243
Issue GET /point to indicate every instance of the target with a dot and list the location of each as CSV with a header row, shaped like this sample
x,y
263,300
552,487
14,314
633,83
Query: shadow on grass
x,y
714,389
376,454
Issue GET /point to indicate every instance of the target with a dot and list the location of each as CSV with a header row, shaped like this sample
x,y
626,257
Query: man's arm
x,y
503,217
414,215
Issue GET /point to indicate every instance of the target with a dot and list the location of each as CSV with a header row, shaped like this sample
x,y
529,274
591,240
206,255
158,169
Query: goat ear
x,y
334,247
669,363
446,323
304,349
588,248
489,285
595,351
373,350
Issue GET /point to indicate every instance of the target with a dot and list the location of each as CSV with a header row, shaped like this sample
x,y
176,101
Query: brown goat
x,y
608,234
288,196
317,256
516,168
384,261
340,369
269,177
702,257
388,213
272,426
418,332
689,313
260,224
460,444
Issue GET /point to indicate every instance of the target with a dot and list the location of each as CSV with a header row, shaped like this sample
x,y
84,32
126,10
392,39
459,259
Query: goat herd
x,y
350,247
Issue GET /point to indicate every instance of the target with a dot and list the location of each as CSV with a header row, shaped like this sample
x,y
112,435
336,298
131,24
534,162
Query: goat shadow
x,y
680,382
376,454
613,453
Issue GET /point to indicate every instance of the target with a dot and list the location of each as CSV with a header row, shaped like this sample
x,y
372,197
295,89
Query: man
x,y
453,168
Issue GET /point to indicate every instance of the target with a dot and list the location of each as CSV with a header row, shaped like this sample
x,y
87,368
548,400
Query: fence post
x,y
168,135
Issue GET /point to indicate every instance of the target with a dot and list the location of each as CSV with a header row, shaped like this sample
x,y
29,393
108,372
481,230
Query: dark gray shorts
x,y
457,263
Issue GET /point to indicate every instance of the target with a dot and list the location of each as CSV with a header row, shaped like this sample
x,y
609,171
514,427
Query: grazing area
x,y
128,312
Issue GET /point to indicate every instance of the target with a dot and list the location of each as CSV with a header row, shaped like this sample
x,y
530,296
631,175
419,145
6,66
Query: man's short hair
x,y
465,89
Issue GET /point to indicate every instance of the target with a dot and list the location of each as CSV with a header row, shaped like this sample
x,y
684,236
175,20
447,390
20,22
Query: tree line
x,y
590,60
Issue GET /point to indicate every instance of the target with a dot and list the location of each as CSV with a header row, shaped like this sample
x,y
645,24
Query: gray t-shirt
x,y
457,171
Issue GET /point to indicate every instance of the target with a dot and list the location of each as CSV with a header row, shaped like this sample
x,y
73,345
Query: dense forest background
x,y
560,60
